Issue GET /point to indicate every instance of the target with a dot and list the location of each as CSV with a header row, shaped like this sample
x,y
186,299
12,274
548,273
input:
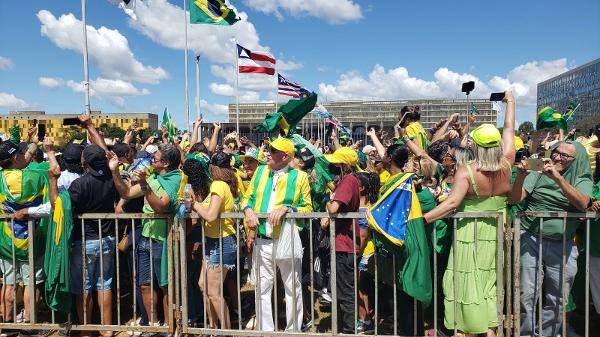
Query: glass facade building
x,y
581,84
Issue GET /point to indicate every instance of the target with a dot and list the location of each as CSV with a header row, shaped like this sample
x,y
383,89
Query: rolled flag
x,y
128,6
549,118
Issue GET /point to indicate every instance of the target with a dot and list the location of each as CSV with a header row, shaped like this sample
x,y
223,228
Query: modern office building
x,y
56,129
581,84
358,116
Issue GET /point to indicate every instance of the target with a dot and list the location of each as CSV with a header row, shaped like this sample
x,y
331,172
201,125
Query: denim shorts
x,y
143,260
363,265
212,252
97,276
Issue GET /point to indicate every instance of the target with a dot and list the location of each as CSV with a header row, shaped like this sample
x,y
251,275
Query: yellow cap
x,y
284,145
486,135
519,143
343,155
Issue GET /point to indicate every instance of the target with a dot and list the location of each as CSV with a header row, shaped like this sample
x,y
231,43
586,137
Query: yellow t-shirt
x,y
211,229
241,186
592,142
383,177
416,132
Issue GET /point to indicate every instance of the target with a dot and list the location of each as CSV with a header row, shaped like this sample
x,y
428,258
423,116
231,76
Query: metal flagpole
x,y
237,84
187,98
198,114
86,70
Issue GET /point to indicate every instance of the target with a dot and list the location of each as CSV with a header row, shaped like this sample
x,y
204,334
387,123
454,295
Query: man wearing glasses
x,y
277,189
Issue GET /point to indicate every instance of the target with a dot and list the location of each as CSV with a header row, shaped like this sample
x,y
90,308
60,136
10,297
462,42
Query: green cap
x,y
486,135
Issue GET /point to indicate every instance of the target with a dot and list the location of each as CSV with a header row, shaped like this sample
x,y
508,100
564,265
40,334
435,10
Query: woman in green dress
x,y
480,186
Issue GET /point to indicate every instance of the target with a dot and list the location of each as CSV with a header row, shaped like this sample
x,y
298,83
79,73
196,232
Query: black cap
x,y
72,153
221,159
121,149
95,157
8,149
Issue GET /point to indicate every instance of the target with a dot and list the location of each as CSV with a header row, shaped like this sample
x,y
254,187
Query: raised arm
x,y
197,126
460,187
441,132
126,192
508,133
376,142
93,134
212,145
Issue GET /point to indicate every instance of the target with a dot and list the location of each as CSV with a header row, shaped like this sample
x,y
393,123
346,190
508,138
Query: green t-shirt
x,y
544,195
39,166
154,228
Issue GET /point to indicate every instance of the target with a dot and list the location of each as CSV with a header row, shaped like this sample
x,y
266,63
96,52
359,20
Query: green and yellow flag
x,y
288,115
212,12
550,118
167,121
58,255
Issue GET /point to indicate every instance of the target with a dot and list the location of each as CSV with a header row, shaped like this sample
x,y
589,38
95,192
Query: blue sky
x,y
342,49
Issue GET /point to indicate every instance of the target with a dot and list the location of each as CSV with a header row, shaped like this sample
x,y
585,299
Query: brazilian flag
x,y
212,12
167,121
21,189
58,255
550,118
288,115
397,223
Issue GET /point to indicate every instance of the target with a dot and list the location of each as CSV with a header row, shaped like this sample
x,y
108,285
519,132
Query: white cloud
x,y
283,65
214,109
51,82
331,11
6,63
246,96
108,49
10,101
113,91
396,83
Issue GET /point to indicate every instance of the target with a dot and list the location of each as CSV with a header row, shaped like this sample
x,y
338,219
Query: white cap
x,y
367,149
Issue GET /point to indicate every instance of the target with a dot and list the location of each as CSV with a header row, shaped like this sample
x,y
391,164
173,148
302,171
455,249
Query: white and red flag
x,y
253,62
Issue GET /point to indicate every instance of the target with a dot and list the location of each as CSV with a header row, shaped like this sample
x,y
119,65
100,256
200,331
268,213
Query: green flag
x,y
167,121
474,109
212,12
573,105
288,115
58,255
549,118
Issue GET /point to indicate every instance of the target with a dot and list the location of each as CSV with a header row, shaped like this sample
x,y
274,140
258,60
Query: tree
x,y
526,128
75,133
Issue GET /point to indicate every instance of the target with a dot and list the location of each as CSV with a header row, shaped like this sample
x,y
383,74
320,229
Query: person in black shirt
x,y
94,192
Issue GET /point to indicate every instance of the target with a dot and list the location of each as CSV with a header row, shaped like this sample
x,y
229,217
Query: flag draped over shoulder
x,y
288,115
167,121
397,221
58,255
212,12
21,189
550,118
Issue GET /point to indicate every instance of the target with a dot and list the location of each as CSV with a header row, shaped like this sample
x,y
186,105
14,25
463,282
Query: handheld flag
x,y
397,222
288,115
212,12
573,106
474,109
253,62
15,134
549,118
167,121
128,6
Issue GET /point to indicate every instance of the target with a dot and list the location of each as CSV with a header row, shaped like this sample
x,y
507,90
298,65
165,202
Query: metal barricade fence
x,y
392,312
525,315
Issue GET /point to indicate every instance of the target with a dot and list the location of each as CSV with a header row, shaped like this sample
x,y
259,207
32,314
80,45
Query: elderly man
x,y
278,189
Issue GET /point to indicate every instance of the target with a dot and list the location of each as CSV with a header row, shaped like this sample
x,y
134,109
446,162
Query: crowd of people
x,y
454,167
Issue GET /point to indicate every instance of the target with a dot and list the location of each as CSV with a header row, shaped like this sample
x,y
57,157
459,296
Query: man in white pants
x,y
277,189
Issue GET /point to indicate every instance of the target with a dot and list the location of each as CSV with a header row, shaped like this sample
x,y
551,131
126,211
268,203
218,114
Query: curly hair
x,y
414,114
197,178
438,149
370,182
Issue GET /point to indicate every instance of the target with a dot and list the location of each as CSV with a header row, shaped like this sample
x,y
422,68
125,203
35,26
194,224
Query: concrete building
x,y
359,115
56,129
581,84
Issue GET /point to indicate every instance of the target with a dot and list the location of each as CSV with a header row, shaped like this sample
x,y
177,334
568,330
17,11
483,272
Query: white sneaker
x,y
20,316
132,324
251,325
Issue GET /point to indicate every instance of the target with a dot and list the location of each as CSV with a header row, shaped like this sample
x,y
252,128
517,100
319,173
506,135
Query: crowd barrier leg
x,y
516,319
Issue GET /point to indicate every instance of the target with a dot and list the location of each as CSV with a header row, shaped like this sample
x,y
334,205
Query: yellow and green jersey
x,y
416,132
290,189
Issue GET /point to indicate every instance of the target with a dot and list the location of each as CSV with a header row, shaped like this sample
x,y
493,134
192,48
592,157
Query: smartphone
x,y
535,164
71,121
41,134
496,96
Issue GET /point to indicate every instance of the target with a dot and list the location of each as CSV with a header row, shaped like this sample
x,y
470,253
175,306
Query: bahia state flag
x,y
212,12
397,221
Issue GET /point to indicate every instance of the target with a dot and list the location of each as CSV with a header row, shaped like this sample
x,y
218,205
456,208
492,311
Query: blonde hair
x,y
427,167
488,158
463,156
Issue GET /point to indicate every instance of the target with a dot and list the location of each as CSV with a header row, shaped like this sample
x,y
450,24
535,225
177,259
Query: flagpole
x,y
86,71
237,84
187,98
198,115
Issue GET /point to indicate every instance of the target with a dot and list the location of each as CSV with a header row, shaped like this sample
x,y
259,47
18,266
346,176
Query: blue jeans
x,y
97,276
552,277
143,260
212,252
